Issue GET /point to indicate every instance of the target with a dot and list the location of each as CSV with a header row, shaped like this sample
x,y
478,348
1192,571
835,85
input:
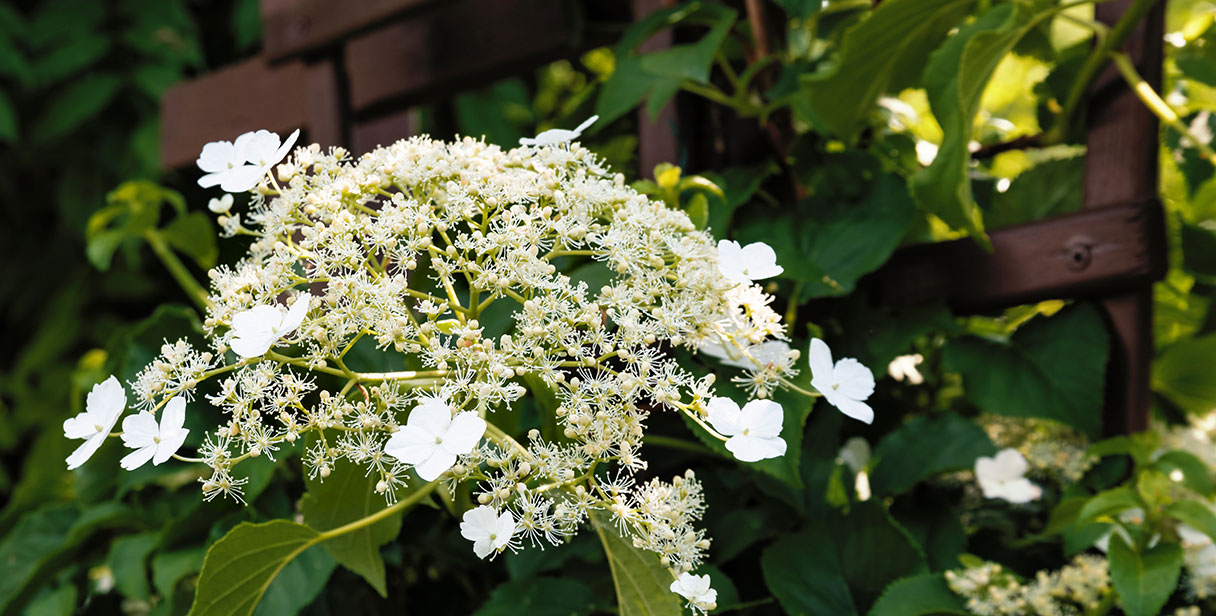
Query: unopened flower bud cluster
x,y
1076,588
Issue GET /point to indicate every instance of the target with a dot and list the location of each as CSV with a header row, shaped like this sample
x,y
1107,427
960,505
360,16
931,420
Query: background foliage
x,y
872,152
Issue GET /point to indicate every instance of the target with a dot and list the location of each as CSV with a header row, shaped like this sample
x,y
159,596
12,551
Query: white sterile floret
x,y
903,368
255,330
1004,477
554,136
432,438
757,356
487,529
152,441
239,166
754,431
220,205
695,588
844,385
743,264
101,410
855,454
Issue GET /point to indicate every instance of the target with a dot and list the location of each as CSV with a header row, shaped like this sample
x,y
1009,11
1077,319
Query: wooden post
x,y
1121,167
657,142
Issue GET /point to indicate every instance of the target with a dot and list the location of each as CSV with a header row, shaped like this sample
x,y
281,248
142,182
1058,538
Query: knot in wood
x,y
1080,255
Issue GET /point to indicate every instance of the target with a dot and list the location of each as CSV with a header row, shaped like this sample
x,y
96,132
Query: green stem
x,y
1155,104
178,270
1112,40
401,505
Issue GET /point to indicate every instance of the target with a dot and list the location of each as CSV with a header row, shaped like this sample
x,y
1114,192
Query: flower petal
x,y
80,426
173,417
140,430
754,449
86,450
762,418
170,442
1009,464
137,458
820,359
433,416
724,416
284,149
760,261
464,432
217,156
854,379
257,147
241,179
855,408
105,402
439,462
253,330
411,445
478,522
295,315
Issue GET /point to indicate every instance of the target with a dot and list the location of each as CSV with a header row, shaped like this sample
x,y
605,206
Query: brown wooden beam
x,y
294,27
458,44
1085,254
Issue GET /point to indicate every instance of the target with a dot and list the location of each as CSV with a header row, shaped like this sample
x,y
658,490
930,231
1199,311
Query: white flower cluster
x,y
452,259
1077,588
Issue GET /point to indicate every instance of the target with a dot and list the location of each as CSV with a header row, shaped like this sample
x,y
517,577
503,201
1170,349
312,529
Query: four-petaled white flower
x,y
743,264
255,330
844,385
432,438
101,410
487,529
1004,477
220,205
152,441
239,166
755,431
554,136
696,589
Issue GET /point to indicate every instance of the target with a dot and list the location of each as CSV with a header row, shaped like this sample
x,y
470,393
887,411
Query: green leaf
x,y
76,54
128,561
348,494
875,550
1198,249
698,211
540,597
955,80
738,185
8,119
1050,188
74,105
298,584
1197,59
828,244
643,586
1183,373
58,602
1052,367
37,536
803,572
924,447
1144,580
240,566
693,61
897,35
922,595
168,568
1195,473
194,235
1108,503
1195,514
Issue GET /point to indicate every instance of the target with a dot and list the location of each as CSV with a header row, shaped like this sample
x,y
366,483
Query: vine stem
x,y
1159,107
178,269
399,506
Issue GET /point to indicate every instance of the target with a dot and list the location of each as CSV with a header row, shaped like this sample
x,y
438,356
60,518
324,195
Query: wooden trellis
x,y
350,73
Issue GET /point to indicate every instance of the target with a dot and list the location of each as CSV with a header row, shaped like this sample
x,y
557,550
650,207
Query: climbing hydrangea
x,y
491,273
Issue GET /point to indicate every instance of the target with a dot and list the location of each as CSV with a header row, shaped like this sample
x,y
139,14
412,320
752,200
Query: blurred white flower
x,y
1004,477
487,529
695,588
844,385
255,330
743,264
432,438
554,136
152,441
104,404
855,454
220,205
904,368
764,354
755,431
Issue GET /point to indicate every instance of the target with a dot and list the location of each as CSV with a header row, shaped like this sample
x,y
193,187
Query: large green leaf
x,y
804,574
1052,367
540,597
899,35
1195,514
925,447
348,494
955,80
1050,188
643,586
922,595
240,566
38,536
829,245
1144,580
1183,373
128,561
1197,59
76,104
1108,503
194,235
298,584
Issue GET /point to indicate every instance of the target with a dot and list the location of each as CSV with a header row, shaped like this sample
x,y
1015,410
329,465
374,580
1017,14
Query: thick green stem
x,y
1112,40
401,505
1159,107
178,270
